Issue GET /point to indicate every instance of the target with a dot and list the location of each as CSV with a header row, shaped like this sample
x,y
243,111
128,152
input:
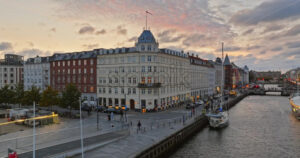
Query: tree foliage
x,y
49,97
19,93
70,97
7,95
32,95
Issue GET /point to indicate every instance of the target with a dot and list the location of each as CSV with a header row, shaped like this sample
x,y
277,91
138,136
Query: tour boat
x,y
217,117
295,104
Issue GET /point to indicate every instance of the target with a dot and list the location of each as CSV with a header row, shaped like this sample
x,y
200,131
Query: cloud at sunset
x,y
263,28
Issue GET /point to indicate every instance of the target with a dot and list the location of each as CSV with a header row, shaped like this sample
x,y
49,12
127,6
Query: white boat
x,y
295,104
219,118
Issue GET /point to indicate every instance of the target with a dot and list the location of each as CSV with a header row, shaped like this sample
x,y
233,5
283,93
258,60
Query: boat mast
x,y
222,81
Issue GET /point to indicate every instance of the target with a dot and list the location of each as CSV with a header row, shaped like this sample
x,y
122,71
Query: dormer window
x,y
142,47
149,48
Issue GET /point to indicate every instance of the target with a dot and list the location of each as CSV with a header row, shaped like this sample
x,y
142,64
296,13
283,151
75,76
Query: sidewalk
x,y
73,145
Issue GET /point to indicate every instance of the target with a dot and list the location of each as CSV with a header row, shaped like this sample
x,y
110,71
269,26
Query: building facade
x,y
11,70
147,77
37,73
235,77
76,68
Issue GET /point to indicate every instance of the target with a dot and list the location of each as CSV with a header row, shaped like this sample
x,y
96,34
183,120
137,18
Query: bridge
x,y
264,91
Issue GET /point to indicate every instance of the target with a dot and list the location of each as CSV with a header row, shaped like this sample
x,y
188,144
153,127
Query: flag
x,y
12,153
148,12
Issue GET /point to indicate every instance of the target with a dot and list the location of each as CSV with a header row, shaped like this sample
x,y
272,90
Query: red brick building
x,y
77,68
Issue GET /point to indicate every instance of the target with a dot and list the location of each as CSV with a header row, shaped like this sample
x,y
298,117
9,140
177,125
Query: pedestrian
x,y
121,116
108,117
139,125
112,116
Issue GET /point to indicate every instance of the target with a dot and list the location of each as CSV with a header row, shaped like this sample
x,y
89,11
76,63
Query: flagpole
x,y
146,20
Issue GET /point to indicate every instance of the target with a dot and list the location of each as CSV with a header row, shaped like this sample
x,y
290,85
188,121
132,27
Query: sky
x,y
263,34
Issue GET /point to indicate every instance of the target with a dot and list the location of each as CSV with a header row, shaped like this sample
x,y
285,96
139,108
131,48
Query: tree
x,y
33,95
70,97
6,95
49,97
19,93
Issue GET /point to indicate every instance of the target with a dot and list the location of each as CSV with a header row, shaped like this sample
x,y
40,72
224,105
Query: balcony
x,y
149,85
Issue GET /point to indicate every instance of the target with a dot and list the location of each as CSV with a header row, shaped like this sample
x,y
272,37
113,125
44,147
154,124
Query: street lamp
x,y
81,135
97,100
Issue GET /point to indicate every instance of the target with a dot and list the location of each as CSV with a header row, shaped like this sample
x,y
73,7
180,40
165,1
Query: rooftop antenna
x,y
146,17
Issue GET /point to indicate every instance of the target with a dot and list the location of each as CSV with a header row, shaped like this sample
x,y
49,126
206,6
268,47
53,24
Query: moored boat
x,y
295,104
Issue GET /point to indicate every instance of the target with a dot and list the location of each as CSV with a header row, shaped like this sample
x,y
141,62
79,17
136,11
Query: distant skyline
x,y
263,34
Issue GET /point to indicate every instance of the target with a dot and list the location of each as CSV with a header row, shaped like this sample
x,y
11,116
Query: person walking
x,y
139,125
112,116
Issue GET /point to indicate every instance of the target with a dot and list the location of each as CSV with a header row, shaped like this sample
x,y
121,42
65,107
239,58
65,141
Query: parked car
x,y
110,109
189,105
199,103
100,108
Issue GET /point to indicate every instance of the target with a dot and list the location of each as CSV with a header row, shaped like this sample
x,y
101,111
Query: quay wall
x,y
168,145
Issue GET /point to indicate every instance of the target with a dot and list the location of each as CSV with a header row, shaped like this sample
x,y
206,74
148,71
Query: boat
x,y
295,104
217,117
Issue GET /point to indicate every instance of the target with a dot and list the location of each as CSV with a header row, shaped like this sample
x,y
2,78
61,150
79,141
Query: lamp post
x,y
81,135
33,141
97,113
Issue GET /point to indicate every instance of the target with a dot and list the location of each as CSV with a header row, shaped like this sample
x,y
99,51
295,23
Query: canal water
x,y
260,127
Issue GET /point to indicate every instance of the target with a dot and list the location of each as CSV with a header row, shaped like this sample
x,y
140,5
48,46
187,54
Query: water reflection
x,y
260,126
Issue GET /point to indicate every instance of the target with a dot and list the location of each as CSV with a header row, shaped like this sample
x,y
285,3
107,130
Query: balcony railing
x,y
149,85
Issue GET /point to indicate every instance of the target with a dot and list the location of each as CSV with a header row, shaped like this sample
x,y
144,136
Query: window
x,y
92,70
129,79
79,62
91,61
122,90
84,70
123,79
133,90
109,90
116,80
74,71
149,91
149,69
149,79
116,90
79,71
143,69
79,79
104,90
149,48
84,62
134,80
154,68
74,62
110,80
133,69
84,80
143,91
123,70
143,80
11,81
142,47
143,59
68,71
116,70
68,63
129,90
149,58
63,63
100,90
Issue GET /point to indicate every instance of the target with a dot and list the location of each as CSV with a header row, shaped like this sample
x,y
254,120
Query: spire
x,y
227,61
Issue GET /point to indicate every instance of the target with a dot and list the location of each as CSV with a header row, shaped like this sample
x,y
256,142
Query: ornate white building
x,y
145,76
37,73
11,70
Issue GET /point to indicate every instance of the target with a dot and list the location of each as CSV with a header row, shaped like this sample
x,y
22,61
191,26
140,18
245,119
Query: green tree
x,y
6,95
19,94
32,95
49,97
70,97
